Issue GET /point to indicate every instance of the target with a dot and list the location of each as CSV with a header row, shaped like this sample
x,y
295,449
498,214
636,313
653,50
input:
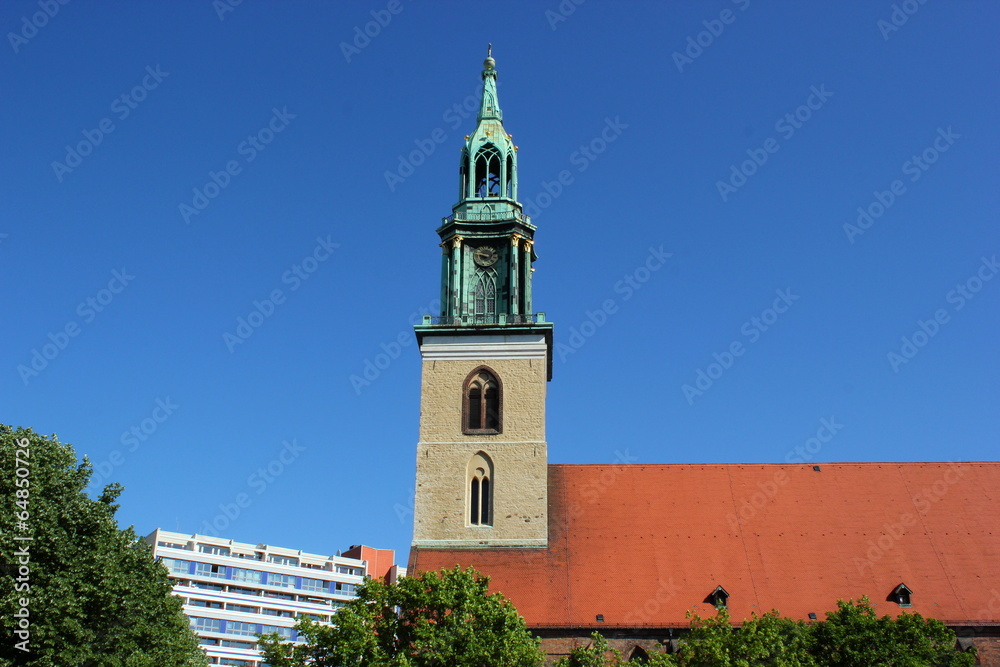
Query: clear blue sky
x,y
330,122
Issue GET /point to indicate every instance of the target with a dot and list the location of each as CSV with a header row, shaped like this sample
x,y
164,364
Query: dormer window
x,y
901,595
718,598
482,403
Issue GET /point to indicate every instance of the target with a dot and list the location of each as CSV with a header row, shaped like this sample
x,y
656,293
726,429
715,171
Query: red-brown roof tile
x,y
643,544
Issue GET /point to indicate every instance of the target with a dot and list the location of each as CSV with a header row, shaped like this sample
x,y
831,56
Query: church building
x,y
628,550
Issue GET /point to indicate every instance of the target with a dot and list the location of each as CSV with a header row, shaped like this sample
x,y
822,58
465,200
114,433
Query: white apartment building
x,y
232,591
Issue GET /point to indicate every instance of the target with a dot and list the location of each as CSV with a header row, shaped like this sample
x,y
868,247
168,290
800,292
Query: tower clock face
x,y
485,255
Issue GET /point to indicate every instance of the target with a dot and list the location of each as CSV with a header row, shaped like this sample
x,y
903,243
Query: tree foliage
x,y
436,619
852,636
95,596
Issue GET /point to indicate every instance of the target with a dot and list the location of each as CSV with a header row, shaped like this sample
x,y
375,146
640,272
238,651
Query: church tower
x,y
482,456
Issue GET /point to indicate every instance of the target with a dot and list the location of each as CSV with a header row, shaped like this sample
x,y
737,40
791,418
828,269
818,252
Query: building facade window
x,y
212,604
175,566
249,576
482,403
278,612
242,629
480,484
284,632
205,624
314,584
207,586
212,549
283,560
210,570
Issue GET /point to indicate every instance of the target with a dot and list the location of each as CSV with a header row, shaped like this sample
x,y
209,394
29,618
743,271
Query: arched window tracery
x,y
480,484
482,403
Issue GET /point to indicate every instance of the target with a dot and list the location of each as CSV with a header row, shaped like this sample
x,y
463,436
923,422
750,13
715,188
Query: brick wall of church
x,y
519,456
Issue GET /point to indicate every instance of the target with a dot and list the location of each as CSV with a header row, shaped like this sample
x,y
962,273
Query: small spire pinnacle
x,y
489,107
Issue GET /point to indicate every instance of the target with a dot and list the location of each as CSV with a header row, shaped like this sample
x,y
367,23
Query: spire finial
x,y
489,63
489,50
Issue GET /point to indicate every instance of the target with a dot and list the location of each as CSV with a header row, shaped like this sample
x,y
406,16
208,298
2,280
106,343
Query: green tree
x,y
761,640
436,619
94,595
853,636
597,654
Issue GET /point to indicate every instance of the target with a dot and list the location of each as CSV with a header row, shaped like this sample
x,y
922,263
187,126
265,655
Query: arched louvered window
x,y
488,171
509,191
480,485
463,176
482,403
485,293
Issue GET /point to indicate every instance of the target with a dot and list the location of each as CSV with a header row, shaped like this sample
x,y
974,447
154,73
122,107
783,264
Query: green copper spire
x,y
487,242
489,159
489,108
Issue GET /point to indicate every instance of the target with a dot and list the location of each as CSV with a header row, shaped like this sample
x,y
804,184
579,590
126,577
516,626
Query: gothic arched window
x,y
480,485
482,403
488,171
485,293
639,656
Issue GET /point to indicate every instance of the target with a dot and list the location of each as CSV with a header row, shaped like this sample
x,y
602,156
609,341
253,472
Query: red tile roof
x,y
643,544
